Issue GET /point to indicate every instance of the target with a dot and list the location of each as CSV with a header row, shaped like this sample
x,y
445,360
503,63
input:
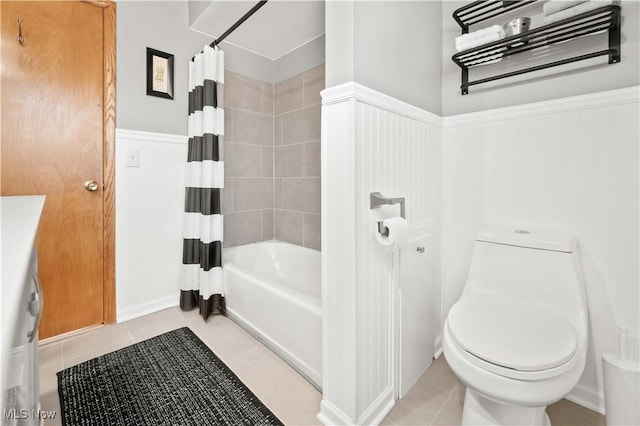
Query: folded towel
x,y
553,6
576,10
485,61
478,38
486,57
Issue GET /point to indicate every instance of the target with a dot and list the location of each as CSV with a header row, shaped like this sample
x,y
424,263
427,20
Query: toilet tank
x,y
541,267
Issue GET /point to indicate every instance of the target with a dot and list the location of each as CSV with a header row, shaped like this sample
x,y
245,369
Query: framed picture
x,y
159,73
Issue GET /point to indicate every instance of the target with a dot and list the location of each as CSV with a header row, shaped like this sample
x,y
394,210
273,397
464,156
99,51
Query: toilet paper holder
x,y
376,200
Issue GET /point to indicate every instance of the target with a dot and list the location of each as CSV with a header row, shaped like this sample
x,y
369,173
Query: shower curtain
x,y
202,282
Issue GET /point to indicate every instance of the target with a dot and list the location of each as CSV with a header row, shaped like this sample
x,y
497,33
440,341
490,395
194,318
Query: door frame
x,y
108,157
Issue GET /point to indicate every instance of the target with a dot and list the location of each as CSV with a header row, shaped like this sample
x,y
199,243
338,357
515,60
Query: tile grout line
x,y
440,409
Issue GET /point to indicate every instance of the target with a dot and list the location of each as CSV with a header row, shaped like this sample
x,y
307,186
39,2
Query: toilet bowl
x,y
517,337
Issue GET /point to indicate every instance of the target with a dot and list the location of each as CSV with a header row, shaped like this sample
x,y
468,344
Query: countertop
x,y
20,216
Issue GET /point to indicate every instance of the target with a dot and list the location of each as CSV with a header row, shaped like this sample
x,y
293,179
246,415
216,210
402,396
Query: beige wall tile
x,y
277,130
311,160
253,128
312,231
289,161
288,94
242,160
267,224
242,92
267,99
267,162
227,196
277,193
313,85
242,228
252,194
301,126
228,124
289,226
301,194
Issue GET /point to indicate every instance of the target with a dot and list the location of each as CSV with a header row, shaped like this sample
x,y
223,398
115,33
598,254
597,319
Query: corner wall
x,y
370,142
389,46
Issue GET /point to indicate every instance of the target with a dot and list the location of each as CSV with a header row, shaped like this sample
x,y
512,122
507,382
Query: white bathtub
x,y
272,289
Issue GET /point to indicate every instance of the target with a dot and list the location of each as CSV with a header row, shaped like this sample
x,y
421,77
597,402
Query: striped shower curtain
x,y
202,282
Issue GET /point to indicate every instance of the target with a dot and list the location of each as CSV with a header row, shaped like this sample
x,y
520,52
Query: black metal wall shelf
x,y
606,18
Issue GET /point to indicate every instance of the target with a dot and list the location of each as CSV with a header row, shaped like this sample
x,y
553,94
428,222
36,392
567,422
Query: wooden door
x,y
52,134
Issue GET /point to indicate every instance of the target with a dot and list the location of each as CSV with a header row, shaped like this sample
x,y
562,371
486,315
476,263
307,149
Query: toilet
x,y
517,337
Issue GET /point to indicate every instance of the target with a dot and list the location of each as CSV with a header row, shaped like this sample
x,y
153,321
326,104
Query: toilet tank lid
x,y
528,238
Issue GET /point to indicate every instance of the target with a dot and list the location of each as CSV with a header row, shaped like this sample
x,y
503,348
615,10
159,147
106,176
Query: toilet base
x,y
479,410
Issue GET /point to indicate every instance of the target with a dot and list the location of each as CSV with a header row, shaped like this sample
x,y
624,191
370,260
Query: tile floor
x,y
435,400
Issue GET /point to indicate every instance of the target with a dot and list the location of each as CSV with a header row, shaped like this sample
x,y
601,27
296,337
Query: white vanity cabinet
x,y
21,304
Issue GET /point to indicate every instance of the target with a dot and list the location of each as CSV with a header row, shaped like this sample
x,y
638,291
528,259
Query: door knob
x,y
91,185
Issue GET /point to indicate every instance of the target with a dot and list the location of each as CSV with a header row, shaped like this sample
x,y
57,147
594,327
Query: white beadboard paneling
x,y
337,259
569,165
371,142
149,207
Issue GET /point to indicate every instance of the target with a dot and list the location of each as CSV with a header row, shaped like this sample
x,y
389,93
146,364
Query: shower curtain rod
x,y
239,22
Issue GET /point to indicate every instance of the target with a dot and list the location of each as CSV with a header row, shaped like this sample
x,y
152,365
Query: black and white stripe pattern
x,y
202,283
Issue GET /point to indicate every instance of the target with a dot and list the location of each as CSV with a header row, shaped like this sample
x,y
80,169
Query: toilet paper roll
x,y
398,233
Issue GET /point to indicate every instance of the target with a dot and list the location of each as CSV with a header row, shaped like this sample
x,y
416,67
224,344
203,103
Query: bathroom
x,y
557,151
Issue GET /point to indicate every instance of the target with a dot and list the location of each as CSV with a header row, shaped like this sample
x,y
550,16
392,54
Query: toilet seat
x,y
512,337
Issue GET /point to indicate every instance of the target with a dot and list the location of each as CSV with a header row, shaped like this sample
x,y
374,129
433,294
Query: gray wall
x,y
576,79
339,27
300,60
396,46
164,25
390,46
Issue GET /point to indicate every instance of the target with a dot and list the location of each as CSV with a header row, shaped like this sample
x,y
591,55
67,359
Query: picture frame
x,y
159,73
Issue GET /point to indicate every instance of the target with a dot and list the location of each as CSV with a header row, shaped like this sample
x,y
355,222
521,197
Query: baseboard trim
x,y
378,410
59,337
437,347
330,415
587,397
147,308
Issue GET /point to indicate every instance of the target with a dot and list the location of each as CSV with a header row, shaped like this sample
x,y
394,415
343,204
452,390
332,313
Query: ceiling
x,y
276,29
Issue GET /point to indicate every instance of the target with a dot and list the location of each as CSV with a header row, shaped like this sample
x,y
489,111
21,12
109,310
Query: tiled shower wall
x,y
297,158
272,159
247,202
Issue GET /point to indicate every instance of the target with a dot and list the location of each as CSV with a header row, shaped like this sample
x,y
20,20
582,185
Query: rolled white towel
x,y
576,10
553,6
484,57
478,38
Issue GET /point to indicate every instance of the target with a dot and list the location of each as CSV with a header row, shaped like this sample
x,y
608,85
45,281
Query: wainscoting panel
x,y
149,207
371,142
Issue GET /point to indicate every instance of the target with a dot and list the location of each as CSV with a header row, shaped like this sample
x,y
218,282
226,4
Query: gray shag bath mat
x,y
171,379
